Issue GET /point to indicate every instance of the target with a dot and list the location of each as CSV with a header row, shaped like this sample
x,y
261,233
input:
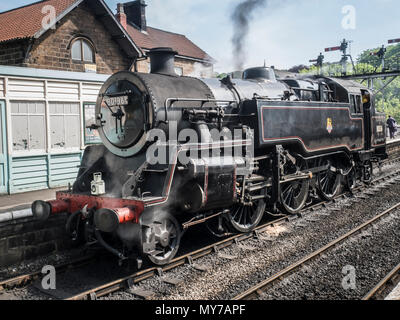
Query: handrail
x,y
311,90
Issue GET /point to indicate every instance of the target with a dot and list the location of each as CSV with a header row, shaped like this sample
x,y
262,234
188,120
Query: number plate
x,y
117,101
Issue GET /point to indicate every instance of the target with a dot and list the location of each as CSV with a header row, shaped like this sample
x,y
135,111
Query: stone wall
x,y
26,239
13,53
52,50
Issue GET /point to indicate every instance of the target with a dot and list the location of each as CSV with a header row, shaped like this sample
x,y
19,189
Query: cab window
x,y
358,104
353,108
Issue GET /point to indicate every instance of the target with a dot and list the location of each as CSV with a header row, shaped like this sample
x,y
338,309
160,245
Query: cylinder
x,y
108,220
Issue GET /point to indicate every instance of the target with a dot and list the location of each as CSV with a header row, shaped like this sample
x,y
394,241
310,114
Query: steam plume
x,y
241,21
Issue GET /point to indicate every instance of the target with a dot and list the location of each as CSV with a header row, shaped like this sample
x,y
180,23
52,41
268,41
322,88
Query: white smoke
x,y
201,71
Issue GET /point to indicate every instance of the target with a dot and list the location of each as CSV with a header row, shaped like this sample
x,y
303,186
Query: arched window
x,y
82,50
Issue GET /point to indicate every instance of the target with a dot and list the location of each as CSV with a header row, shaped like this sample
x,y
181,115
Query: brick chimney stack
x,y
136,13
121,16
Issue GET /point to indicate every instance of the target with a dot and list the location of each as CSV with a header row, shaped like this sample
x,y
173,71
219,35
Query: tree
x,y
392,57
388,100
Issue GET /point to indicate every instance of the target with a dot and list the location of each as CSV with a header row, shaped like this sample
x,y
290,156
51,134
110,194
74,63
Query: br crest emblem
x,y
329,125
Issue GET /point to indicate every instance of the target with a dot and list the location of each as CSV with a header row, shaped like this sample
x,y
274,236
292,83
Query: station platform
x,y
395,294
22,237
393,141
24,200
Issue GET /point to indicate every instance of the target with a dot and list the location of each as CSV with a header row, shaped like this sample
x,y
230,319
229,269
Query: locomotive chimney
x,y
121,16
162,61
136,13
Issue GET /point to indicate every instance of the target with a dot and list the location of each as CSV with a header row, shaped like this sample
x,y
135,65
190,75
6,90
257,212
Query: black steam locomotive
x,y
262,145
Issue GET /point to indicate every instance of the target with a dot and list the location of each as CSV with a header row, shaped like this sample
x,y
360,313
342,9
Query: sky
x,y
284,33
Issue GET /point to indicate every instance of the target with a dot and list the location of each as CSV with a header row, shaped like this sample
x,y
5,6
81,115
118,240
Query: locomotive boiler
x,y
181,151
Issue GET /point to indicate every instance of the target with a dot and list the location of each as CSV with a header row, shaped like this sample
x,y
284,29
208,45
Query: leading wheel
x,y
166,237
328,181
245,217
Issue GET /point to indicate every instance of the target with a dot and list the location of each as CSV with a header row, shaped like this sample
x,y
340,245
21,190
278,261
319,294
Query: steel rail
x,y
390,161
382,284
26,279
254,291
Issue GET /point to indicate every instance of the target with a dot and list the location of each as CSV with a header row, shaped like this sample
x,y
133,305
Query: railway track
x,y
27,279
259,289
188,259
136,278
130,281
386,283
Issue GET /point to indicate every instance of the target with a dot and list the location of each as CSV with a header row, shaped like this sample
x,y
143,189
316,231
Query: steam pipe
x,y
170,101
107,246
69,221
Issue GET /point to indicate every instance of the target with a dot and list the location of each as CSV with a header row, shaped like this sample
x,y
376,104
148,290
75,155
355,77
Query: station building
x,y
54,57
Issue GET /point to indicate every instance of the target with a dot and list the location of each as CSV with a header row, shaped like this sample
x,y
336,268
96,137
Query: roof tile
x,y
153,38
26,21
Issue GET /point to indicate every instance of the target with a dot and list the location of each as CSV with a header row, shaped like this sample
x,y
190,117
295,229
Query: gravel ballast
x,y
348,271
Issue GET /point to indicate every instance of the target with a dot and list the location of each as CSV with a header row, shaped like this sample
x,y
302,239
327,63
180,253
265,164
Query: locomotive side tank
x,y
319,124
261,144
